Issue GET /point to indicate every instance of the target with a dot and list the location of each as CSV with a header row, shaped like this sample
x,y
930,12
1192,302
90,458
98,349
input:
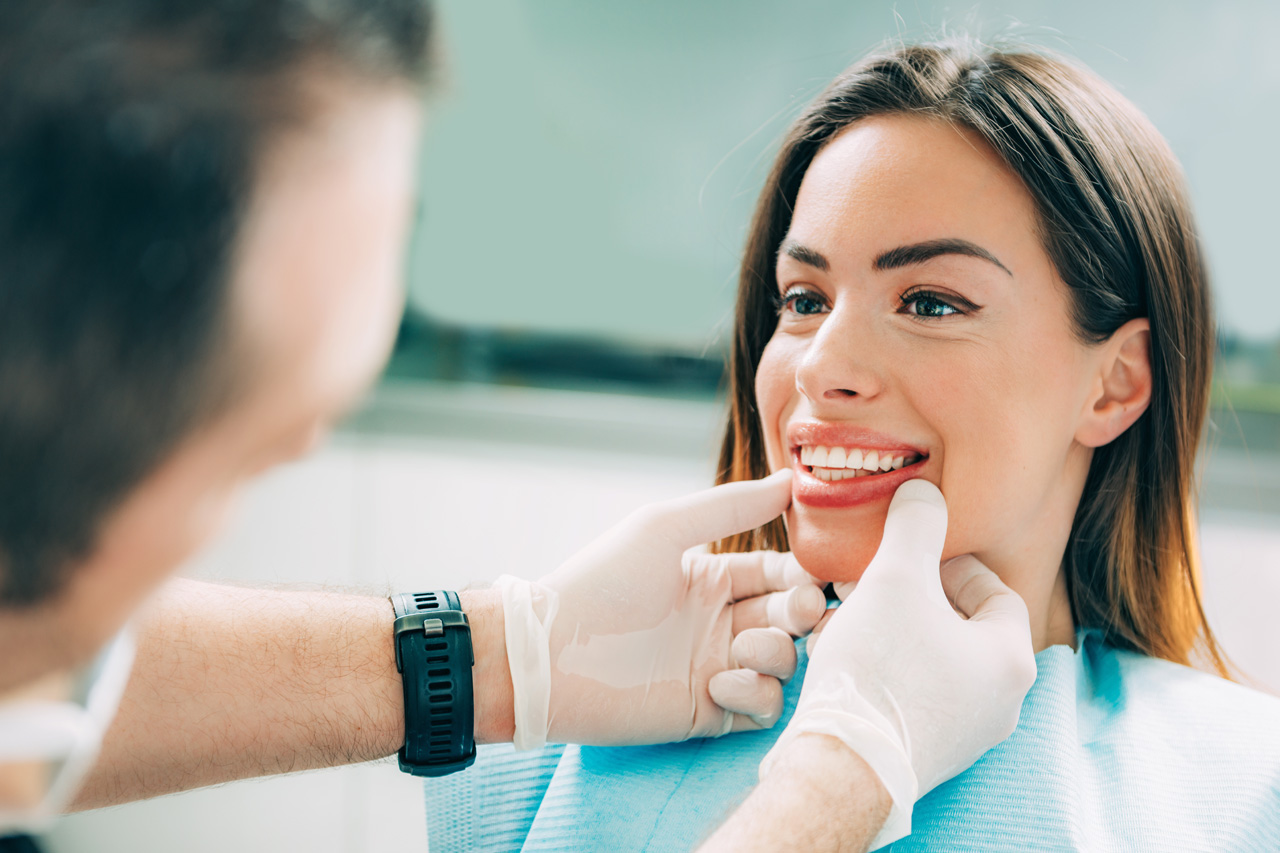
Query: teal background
x,y
590,168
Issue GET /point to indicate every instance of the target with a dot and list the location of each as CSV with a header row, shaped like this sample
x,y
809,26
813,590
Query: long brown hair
x,y
1117,224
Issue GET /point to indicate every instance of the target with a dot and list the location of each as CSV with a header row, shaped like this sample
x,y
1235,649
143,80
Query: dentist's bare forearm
x,y
232,683
821,796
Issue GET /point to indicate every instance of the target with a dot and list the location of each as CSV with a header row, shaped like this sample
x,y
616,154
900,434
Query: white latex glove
x,y
620,644
922,668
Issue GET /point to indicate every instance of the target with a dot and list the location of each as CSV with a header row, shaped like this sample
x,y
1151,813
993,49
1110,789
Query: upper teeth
x,y
821,456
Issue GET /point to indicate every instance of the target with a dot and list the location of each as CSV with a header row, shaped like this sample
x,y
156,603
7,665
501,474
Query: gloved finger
x,y
914,532
723,511
979,594
754,699
795,611
812,639
769,651
757,572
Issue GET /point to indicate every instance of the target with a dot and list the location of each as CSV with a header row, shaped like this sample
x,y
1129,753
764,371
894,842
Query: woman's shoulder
x,y
1166,680
1200,711
1119,751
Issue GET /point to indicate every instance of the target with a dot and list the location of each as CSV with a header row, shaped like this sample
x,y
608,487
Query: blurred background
x,y
588,174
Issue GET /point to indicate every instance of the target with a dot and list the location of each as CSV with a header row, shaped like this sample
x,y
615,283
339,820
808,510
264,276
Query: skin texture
x,y
1002,396
832,800
232,683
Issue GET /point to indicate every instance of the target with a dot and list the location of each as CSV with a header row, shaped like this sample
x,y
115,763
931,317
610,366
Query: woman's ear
x,y
1121,391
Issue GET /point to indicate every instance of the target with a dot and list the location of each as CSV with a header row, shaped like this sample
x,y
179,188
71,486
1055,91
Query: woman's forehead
x,y
899,180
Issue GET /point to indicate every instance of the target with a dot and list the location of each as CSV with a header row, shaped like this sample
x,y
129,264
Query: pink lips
x,y
811,491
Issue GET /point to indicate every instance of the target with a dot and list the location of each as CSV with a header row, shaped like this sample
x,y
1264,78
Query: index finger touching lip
x,y
725,510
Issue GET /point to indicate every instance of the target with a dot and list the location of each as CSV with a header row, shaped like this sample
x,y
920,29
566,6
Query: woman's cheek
x,y
776,395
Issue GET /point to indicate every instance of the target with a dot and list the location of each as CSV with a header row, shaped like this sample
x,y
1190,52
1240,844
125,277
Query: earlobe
x,y
1122,389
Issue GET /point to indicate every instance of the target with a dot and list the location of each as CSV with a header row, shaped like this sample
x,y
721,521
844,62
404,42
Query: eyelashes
x,y
919,302
795,297
932,304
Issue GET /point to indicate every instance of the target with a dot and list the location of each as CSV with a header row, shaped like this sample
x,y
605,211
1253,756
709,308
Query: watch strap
x,y
434,656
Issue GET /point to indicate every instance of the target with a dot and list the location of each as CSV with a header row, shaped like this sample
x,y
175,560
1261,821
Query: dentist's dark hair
x,y
1116,221
130,131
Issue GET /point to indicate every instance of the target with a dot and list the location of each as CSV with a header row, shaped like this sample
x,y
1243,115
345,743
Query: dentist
x,y
202,215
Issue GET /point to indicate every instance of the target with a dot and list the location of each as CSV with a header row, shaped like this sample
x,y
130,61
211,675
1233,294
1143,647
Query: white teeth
x,y
841,463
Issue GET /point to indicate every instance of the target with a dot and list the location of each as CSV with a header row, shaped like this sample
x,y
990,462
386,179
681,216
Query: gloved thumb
x,y
914,532
978,594
724,510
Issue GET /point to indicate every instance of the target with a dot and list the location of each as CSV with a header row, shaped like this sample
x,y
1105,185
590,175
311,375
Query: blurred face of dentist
x,y
316,298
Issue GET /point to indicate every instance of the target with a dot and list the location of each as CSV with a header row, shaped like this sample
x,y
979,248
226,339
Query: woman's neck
x,y
1037,576
1029,559
1058,627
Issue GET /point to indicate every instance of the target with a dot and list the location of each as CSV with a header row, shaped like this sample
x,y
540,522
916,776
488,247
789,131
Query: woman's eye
x,y
802,302
925,304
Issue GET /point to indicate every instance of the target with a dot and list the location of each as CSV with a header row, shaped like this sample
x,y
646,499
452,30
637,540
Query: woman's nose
x,y
842,360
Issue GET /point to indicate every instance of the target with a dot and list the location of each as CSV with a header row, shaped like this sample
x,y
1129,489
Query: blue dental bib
x,y
1114,750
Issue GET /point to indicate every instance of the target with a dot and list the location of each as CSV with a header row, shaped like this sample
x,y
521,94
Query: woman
x,y
1091,264
981,268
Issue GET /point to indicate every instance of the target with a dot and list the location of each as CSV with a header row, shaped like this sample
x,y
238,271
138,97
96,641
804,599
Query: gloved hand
x,y
620,645
921,669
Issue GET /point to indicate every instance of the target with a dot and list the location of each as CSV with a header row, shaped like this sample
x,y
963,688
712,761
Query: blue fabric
x,y
1114,751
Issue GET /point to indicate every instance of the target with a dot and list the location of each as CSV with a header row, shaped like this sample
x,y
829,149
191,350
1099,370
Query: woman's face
x,y
923,329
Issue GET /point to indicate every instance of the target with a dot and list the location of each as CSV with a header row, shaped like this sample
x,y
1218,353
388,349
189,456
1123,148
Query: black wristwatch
x,y
434,657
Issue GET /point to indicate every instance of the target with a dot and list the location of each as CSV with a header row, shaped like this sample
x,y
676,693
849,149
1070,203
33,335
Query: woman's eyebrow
x,y
903,256
918,253
804,255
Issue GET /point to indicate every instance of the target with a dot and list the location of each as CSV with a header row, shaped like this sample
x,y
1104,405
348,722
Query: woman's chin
x,y
834,545
836,556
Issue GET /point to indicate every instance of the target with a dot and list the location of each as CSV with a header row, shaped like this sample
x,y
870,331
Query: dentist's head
x,y
202,214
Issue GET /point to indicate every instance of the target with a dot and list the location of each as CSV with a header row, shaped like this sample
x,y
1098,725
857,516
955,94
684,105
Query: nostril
x,y
840,392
